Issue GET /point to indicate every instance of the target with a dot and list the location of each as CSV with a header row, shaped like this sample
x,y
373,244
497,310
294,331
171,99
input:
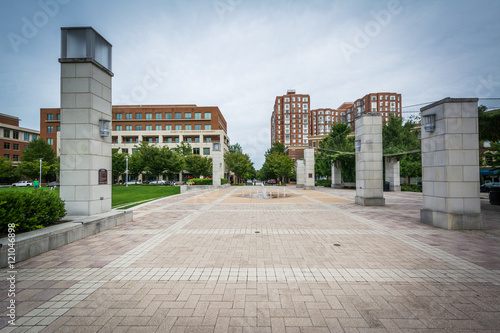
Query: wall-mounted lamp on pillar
x,y
104,127
216,146
429,122
357,145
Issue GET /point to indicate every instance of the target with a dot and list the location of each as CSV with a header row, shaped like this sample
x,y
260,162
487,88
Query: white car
x,y
157,182
23,183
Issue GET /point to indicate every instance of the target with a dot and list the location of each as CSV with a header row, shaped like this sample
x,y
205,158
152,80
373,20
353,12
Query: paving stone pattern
x,y
216,261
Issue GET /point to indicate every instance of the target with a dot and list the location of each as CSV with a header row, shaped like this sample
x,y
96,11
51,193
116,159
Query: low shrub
x,y
411,187
206,181
324,182
29,210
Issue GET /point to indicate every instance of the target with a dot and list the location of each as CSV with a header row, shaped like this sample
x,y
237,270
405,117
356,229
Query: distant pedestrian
x,y
36,183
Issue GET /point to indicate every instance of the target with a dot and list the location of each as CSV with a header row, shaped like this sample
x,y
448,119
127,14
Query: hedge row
x,y
205,181
29,210
324,182
411,187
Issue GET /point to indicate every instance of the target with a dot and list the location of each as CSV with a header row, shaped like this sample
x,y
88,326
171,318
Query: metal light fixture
x,y
357,145
216,146
104,127
429,122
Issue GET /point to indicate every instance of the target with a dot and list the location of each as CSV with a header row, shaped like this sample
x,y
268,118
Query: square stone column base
x,y
452,221
364,201
300,185
308,187
336,186
393,188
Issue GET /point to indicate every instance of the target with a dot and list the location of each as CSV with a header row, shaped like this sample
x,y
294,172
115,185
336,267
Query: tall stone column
x,y
309,169
336,175
392,174
450,164
300,173
217,164
85,122
369,167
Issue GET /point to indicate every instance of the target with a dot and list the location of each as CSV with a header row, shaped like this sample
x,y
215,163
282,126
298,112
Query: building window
x,y
15,158
149,116
187,127
208,139
287,99
50,129
58,116
206,151
138,127
128,127
50,116
158,116
6,133
187,139
158,127
196,151
178,127
118,127
15,146
58,128
208,115
168,140
176,140
128,116
149,127
119,116
168,115
197,139
168,127
6,145
197,115
26,137
50,141
305,99
124,150
6,156
178,115
15,135
197,127
138,116
187,115
208,127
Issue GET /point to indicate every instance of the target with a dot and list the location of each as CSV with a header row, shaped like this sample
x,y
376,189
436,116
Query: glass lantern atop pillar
x,y
84,44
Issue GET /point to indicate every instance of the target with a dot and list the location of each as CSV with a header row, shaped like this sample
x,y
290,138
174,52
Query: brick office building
x,y
164,125
385,103
14,139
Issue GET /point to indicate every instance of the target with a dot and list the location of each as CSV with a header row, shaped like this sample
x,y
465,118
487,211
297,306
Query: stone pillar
x,y
369,167
309,169
392,174
85,114
217,167
450,164
336,175
300,173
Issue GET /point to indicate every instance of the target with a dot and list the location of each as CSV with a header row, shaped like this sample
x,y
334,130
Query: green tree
x,y
30,164
277,147
489,124
277,166
183,149
402,139
337,147
7,171
118,164
238,162
198,165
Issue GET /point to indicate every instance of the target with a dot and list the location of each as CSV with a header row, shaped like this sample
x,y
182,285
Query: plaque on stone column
x,y
103,176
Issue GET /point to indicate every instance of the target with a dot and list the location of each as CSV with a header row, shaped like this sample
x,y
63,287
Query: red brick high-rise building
x,y
386,103
14,139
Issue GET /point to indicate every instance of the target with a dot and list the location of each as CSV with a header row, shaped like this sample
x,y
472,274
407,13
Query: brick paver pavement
x,y
214,261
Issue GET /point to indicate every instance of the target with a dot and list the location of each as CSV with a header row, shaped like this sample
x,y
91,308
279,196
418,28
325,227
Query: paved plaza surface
x,y
214,261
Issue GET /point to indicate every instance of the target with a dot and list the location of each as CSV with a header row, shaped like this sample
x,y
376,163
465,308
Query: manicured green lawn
x,y
121,196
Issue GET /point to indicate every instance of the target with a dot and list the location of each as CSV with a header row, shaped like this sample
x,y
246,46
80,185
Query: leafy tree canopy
x,y
489,124
198,165
238,162
30,164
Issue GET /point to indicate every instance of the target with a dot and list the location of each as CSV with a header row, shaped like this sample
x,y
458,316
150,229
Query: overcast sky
x,y
240,54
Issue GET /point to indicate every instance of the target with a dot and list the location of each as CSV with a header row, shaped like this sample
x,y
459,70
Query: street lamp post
x,y
40,171
126,171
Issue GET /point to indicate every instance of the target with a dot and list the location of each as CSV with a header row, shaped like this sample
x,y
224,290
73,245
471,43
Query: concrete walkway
x,y
214,261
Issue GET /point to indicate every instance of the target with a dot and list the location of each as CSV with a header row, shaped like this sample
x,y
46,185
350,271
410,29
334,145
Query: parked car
x,y
158,182
271,181
23,183
134,182
487,187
